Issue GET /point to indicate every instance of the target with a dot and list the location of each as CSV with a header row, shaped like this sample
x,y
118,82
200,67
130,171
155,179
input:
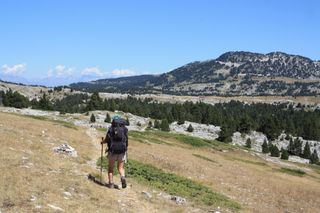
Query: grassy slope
x,y
259,186
33,176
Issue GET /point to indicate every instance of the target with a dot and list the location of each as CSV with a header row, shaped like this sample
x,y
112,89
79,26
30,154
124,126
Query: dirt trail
x,y
35,179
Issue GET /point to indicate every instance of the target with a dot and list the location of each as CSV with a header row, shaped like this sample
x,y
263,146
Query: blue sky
x,y
68,38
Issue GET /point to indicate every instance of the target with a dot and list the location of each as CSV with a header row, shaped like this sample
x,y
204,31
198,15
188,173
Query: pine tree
x,y
44,102
297,144
274,151
245,125
265,147
180,120
128,122
284,154
92,118
225,134
156,124
95,102
108,118
190,128
164,126
248,143
291,147
306,151
314,159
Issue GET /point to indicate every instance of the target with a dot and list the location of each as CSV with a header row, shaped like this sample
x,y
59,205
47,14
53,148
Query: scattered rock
x,y
65,149
37,207
33,198
147,194
67,194
56,208
179,200
204,131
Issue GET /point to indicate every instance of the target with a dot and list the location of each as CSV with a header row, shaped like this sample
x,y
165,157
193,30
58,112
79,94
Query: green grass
x,y
193,141
246,161
62,123
295,172
145,137
186,139
315,168
176,185
102,129
204,158
158,137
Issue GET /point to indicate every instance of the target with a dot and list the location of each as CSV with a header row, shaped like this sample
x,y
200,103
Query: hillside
x,y
32,92
235,174
231,74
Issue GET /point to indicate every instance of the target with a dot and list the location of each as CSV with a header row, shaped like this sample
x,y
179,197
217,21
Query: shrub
x,y
314,159
306,151
295,172
150,124
177,185
108,118
265,147
180,121
156,124
248,143
274,151
284,154
190,128
225,134
92,118
164,126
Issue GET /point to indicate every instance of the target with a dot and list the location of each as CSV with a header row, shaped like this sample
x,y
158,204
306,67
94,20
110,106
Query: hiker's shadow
x,y
101,182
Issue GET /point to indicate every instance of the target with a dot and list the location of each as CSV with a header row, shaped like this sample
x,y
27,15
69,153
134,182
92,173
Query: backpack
x,y
118,139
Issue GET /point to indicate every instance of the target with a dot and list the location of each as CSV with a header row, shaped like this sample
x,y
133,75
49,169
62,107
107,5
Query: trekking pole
x,y
101,160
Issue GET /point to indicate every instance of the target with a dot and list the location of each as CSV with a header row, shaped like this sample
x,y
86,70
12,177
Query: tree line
x,y
233,116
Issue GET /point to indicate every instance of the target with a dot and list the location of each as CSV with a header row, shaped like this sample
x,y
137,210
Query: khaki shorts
x,y
117,157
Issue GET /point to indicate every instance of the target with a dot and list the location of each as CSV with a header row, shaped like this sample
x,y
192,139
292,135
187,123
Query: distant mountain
x,y
233,73
15,79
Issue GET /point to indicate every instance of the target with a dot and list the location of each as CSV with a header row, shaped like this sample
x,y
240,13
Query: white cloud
x,y
61,71
16,69
92,71
123,72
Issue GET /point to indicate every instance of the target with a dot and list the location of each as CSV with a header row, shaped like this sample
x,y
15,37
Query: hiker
x,y
117,141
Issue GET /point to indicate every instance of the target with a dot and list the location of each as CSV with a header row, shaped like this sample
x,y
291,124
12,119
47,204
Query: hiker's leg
x,y
110,170
122,173
121,168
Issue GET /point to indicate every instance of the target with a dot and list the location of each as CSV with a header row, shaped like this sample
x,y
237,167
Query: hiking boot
x,y
123,182
110,185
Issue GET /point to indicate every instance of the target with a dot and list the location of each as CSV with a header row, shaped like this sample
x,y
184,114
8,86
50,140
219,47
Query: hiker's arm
x,y
104,140
126,133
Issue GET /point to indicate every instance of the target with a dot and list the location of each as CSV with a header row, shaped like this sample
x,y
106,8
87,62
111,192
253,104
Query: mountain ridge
x,y
232,73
